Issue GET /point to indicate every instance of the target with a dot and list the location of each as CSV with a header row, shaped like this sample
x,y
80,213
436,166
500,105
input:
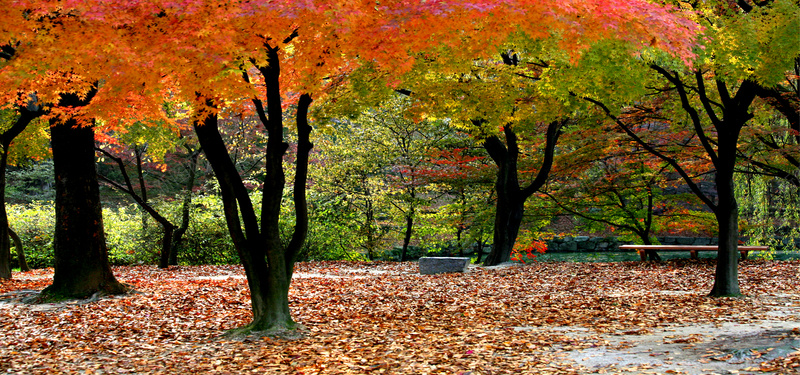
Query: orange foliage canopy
x,y
138,52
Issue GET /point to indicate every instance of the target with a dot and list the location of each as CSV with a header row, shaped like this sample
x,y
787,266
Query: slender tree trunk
x,y
480,252
23,263
27,114
407,237
141,199
81,256
5,242
166,244
372,237
459,231
185,209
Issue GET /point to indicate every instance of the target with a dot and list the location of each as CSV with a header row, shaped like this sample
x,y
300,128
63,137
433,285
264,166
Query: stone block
x,y
434,265
702,241
586,245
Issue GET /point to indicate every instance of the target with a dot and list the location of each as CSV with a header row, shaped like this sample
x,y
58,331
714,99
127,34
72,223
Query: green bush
x,y
35,225
207,241
133,237
332,232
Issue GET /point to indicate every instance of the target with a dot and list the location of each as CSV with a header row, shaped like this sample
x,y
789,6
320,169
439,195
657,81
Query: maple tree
x,y
501,98
717,96
76,66
612,184
293,30
215,54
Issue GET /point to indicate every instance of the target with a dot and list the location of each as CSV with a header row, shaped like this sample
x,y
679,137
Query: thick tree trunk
x,y
81,256
508,219
726,280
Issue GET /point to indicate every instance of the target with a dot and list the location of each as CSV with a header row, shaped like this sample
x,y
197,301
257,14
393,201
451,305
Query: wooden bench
x,y
693,249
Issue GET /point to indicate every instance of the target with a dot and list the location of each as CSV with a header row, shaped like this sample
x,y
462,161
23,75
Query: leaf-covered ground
x,y
383,318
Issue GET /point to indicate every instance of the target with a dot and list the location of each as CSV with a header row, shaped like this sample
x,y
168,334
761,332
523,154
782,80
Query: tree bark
x,y
27,114
267,263
407,237
5,243
23,263
81,256
510,206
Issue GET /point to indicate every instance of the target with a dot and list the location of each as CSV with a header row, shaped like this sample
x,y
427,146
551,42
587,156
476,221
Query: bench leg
x,y
642,254
744,254
693,254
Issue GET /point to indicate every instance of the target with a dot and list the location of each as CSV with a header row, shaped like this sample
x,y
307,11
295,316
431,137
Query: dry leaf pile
x,y
377,317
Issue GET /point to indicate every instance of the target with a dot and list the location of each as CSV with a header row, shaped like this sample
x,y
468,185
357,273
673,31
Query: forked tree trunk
x,y
81,256
267,263
511,197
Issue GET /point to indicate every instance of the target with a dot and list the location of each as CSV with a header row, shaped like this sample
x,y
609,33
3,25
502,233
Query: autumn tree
x,y
57,58
715,97
292,55
503,93
215,54
607,182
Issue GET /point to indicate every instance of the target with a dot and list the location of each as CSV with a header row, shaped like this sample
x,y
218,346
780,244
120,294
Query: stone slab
x,y
434,265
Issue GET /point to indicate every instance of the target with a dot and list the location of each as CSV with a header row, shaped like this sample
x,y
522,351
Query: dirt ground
x,y
726,348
